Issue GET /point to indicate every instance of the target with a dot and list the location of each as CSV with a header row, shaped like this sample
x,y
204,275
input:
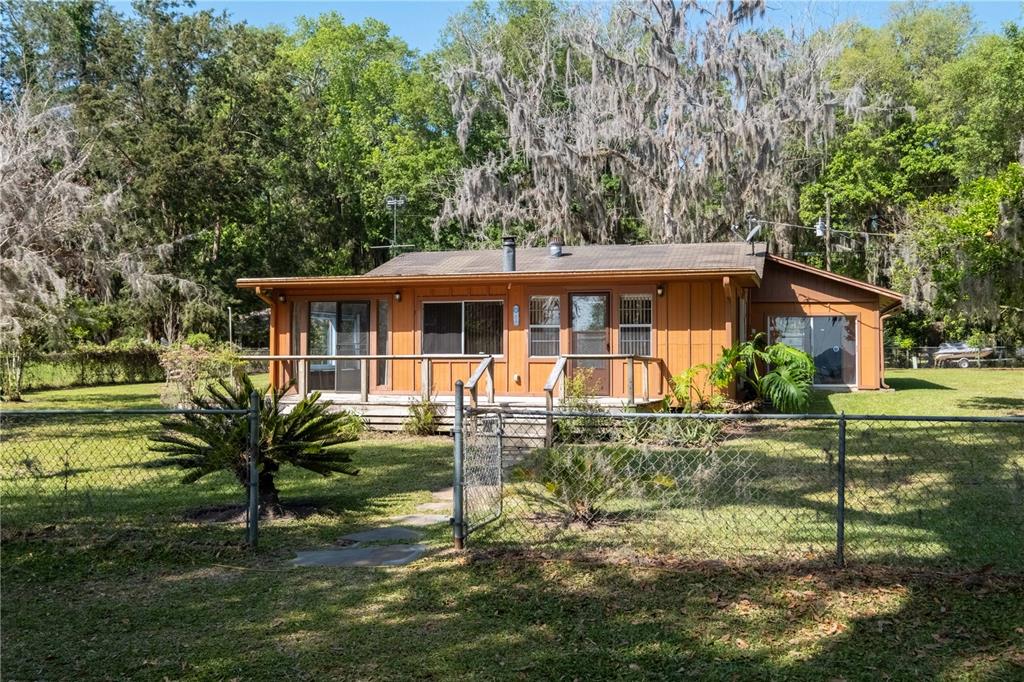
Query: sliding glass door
x,y
338,328
830,339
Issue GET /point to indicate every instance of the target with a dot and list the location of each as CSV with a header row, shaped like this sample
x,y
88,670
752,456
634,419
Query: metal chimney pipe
x,y
508,245
555,248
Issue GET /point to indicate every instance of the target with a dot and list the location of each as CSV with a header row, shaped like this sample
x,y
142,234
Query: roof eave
x,y
494,277
883,293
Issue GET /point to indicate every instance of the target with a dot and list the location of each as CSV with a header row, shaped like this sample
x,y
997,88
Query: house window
x,y
830,339
463,327
545,326
635,324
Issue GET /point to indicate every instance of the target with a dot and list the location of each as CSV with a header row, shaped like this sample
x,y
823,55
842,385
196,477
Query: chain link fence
x,y
77,471
818,488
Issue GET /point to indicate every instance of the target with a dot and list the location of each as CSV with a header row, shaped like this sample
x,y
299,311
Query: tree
x,y
55,231
679,116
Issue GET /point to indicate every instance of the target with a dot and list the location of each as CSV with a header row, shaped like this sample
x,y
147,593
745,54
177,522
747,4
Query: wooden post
x,y
647,381
490,382
549,420
425,378
303,378
630,388
364,380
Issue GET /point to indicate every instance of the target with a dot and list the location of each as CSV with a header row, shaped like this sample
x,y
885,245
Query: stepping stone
x,y
421,519
390,533
444,494
379,555
435,506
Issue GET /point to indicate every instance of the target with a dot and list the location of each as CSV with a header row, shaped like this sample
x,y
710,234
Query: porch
x,y
434,378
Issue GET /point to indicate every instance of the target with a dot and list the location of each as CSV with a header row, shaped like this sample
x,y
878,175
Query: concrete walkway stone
x,y
420,519
388,533
378,555
435,506
443,494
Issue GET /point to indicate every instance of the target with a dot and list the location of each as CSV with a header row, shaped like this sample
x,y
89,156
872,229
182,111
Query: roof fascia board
x,y
493,278
856,283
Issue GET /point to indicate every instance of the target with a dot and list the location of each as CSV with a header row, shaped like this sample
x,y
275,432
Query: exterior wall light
x,y
661,290
398,295
281,298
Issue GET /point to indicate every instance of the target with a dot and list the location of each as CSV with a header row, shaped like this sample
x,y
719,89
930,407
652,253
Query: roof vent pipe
x,y
555,248
508,245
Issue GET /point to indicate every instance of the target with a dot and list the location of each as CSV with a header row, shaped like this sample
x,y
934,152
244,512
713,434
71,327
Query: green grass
x,y
149,595
948,392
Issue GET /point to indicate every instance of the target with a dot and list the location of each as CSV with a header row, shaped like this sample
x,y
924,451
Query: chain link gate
x,y
482,471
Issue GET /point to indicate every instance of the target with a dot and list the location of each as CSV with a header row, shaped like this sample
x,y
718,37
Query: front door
x,y
353,339
589,320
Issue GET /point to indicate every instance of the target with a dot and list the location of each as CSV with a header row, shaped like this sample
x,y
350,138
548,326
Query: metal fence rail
x,y
818,488
80,470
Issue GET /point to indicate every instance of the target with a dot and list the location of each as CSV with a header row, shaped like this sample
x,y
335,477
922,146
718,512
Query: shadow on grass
x,y
998,404
516,618
914,383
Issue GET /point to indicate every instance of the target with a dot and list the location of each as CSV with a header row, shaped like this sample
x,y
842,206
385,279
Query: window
x,y
545,326
635,324
830,339
457,327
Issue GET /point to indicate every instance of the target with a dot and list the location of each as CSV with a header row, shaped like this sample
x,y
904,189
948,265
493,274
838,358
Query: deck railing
x,y
484,367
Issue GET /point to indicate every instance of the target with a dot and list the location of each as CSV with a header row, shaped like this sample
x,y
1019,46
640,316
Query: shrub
x,y
775,373
422,420
123,360
574,479
307,436
579,398
190,371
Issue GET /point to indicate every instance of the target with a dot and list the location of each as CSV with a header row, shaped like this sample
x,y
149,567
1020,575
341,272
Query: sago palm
x,y
308,436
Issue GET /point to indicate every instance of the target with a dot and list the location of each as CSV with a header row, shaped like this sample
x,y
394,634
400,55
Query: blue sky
x,y
420,22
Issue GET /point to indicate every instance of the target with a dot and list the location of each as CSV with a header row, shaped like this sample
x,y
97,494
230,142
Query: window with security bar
x,y
635,324
545,326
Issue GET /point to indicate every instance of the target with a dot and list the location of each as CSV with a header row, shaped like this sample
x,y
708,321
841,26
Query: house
x,y
513,322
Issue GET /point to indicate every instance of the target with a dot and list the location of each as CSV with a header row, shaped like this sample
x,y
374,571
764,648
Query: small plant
x,y
422,420
580,399
308,436
574,480
693,396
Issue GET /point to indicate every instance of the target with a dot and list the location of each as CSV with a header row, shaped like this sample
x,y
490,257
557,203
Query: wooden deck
x,y
389,411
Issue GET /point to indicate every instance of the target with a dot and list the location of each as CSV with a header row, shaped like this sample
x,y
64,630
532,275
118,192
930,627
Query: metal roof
x,y
717,257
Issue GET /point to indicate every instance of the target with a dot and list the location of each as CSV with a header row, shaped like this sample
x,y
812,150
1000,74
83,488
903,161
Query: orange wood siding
x,y
692,320
791,292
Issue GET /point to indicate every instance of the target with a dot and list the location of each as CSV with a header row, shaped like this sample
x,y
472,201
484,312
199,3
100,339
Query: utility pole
x,y
394,203
828,233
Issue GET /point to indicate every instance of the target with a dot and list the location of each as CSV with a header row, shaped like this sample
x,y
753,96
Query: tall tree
x,y
681,116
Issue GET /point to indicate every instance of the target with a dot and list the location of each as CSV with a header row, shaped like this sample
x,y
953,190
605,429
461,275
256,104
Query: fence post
x,y
254,478
458,527
841,495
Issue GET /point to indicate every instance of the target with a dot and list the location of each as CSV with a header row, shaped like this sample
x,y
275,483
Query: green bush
x,y
122,360
422,420
574,479
190,371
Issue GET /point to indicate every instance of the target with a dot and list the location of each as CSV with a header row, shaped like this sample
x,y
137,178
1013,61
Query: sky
x,y
420,22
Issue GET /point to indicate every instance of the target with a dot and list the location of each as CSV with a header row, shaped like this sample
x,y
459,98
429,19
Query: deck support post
x,y
647,381
425,378
303,378
630,380
364,380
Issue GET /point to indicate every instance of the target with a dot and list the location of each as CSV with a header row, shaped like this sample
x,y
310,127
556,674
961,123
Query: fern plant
x,y
308,436
773,373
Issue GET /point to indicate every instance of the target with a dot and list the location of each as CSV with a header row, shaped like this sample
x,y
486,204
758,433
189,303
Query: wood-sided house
x,y
512,322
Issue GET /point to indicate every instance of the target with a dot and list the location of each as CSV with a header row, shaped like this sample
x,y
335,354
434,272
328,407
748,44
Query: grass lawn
x,y
947,392
120,600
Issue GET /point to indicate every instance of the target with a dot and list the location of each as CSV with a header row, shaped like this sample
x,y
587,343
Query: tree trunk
x,y
270,502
